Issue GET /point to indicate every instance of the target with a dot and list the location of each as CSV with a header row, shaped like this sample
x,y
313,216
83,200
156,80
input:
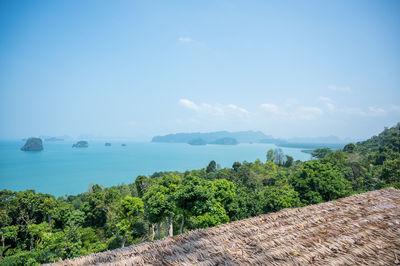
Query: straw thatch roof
x,y
361,229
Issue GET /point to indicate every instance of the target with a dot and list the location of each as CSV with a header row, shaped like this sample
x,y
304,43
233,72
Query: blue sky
x,y
143,68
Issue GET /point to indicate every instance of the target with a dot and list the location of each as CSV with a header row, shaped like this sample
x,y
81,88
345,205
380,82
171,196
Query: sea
x,y
62,170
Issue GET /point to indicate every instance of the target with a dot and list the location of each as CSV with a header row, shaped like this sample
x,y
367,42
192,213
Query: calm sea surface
x,y
60,169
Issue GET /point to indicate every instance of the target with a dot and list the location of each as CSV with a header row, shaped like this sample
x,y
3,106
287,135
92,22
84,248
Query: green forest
x,y
39,228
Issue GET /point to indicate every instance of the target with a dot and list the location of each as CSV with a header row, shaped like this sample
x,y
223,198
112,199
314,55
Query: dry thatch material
x,y
358,230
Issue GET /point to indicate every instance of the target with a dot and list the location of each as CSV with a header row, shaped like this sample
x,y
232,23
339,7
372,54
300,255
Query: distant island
x,y
221,141
81,144
53,139
212,137
225,141
33,144
233,138
107,144
197,142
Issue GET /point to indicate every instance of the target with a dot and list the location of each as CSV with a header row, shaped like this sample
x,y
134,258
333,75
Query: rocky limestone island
x,y
123,145
107,144
33,144
81,144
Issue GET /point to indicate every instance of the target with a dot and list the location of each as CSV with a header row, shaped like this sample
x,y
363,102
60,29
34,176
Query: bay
x,y
60,169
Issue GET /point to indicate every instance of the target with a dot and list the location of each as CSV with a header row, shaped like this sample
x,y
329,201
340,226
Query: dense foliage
x,y
38,228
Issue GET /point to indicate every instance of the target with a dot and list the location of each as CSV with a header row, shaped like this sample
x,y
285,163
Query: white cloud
x,y
289,111
215,109
324,99
189,104
352,111
296,113
185,39
371,111
375,111
340,88
242,111
328,102
271,108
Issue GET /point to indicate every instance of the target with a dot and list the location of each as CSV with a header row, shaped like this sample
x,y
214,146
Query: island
x,y
225,141
232,138
53,139
107,144
209,137
197,142
33,144
123,144
81,144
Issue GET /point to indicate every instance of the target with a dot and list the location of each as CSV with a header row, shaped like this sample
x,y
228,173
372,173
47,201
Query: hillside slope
x,y
361,229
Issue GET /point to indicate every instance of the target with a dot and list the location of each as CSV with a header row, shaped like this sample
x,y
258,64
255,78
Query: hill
x,y
361,229
387,141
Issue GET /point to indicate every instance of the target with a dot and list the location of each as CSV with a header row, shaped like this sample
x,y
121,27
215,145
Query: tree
x,y
212,167
95,188
131,209
276,198
319,182
5,220
9,233
349,148
289,161
112,197
197,201
214,215
246,203
142,184
160,204
391,171
95,209
270,155
48,206
279,158
125,191
321,153
224,192
236,166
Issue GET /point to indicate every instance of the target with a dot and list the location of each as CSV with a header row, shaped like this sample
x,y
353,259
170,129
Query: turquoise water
x,y
60,169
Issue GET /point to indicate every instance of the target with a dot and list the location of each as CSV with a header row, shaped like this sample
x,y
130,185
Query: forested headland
x,y
39,228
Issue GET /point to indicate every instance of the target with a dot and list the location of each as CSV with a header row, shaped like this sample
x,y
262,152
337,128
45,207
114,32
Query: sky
x,y
135,69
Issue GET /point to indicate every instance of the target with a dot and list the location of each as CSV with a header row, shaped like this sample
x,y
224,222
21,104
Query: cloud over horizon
x,y
289,112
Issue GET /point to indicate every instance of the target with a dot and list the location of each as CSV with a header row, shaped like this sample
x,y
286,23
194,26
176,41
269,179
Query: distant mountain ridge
x,y
240,136
251,137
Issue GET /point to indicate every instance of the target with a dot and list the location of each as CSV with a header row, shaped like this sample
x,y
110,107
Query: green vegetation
x,y
38,228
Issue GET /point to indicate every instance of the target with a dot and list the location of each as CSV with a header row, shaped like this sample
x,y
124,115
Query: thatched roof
x,y
361,229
